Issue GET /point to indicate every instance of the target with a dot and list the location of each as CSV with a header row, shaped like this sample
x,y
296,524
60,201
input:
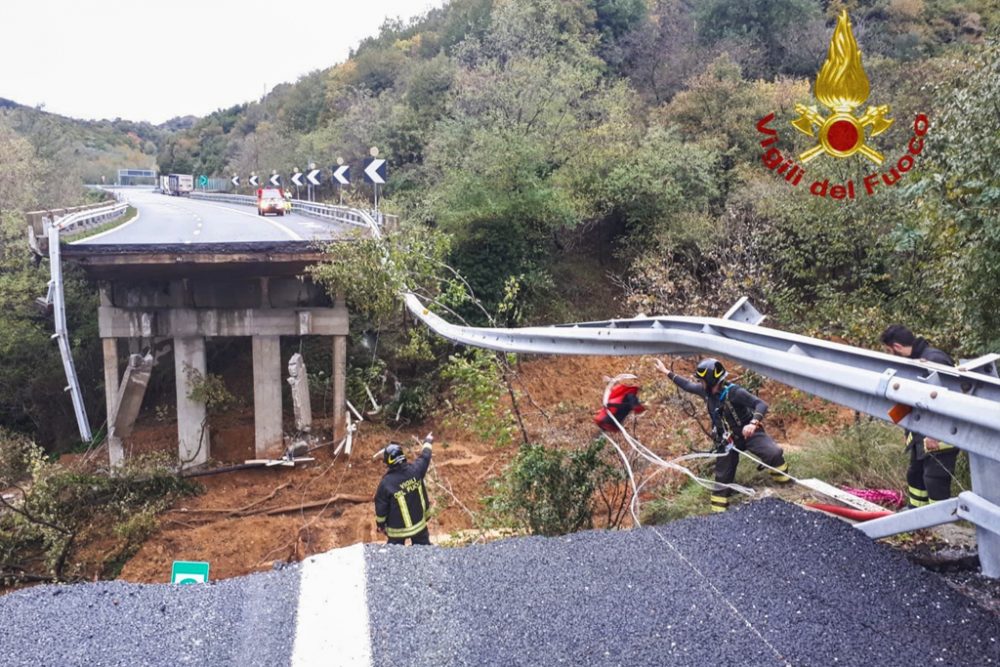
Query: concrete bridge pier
x,y
267,384
191,294
192,419
116,453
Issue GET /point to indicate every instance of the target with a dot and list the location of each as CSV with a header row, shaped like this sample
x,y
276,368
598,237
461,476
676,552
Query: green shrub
x,y
55,504
550,491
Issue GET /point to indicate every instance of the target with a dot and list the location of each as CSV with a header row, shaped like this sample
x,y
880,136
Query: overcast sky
x,y
145,60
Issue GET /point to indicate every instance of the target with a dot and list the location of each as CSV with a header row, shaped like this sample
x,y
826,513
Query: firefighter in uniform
x,y
932,463
736,415
401,499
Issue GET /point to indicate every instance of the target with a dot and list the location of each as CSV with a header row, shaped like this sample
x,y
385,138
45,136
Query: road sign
x,y
313,177
189,572
203,180
275,180
375,171
297,179
235,180
342,174
253,181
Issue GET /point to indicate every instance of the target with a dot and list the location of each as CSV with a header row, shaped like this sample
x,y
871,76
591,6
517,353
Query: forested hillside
x,y
574,159
550,161
532,134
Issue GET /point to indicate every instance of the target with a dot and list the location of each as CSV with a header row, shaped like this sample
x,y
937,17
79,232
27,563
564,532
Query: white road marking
x,y
332,620
280,226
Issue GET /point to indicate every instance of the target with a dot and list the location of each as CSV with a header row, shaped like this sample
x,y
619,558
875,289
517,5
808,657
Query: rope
x,y
663,464
718,593
673,464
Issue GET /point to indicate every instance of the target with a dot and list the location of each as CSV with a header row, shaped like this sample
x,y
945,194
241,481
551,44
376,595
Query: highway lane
x,y
766,584
181,220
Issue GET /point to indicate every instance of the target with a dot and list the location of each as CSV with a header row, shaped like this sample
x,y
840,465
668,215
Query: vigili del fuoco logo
x,y
841,86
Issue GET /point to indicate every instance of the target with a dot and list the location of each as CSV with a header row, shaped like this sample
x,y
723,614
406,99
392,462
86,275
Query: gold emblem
x,y
842,86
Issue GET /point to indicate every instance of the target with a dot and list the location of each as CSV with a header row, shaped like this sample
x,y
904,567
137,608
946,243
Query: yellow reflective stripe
x,y
404,510
406,532
717,508
776,473
423,501
380,519
720,499
918,497
941,447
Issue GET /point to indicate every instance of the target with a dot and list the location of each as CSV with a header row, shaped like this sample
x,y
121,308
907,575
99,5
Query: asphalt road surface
x,y
163,219
766,584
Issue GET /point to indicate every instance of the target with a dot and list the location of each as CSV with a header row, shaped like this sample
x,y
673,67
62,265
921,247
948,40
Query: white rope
x,y
656,460
674,464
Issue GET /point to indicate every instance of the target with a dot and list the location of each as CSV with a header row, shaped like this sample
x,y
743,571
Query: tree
x,y
766,22
963,149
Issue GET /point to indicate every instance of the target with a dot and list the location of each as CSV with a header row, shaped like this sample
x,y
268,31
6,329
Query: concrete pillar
x,y
298,380
985,474
339,386
116,454
192,423
267,396
131,393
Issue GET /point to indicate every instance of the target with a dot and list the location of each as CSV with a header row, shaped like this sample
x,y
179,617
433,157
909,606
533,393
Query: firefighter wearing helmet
x,y
736,419
401,499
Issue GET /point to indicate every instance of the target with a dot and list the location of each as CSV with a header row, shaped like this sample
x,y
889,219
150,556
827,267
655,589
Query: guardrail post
x,y
986,483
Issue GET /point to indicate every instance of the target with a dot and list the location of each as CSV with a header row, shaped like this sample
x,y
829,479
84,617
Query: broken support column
x,y
192,424
127,403
298,379
267,395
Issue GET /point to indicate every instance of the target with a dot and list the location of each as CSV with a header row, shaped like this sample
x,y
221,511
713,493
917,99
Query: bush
x,y
54,505
550,491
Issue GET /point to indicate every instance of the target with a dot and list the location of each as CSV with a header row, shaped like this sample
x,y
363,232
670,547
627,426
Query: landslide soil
x,y
253,520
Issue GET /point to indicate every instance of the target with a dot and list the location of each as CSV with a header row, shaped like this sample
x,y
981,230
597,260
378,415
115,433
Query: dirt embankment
x,y
248,521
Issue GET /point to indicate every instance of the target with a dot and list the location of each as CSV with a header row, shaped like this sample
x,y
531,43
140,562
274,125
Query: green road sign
x,y
203,180
189,572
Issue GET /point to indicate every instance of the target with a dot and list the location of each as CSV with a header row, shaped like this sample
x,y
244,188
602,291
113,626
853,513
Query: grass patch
x,y
130,213
869,454
690,500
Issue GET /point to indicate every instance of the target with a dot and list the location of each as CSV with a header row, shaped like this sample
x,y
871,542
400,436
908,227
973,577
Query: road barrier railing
x,y
70,221
343,214
956,405
51,226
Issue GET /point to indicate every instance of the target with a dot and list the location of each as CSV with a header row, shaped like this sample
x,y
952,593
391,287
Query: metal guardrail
x,y
37,220
344,214
51,225
959,406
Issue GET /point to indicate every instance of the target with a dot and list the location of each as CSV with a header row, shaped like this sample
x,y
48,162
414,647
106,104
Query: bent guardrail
x,y
960,406
50,225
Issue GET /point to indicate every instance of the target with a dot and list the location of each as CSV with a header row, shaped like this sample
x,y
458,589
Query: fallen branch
x,y
273,493
311,505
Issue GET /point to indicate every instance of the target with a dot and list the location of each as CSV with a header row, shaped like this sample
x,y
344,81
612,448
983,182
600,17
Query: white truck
x,y
179,184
